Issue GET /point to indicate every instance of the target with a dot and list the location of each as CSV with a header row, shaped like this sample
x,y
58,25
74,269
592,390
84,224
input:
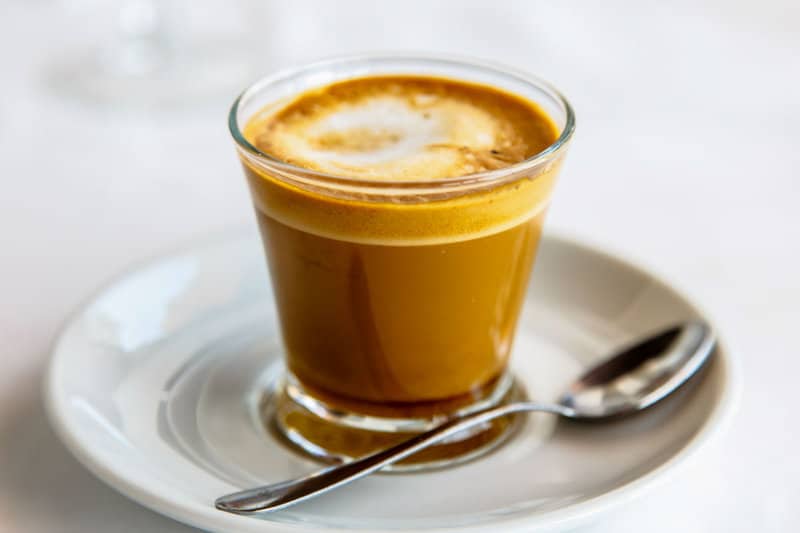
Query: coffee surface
x,y
403,128
376,128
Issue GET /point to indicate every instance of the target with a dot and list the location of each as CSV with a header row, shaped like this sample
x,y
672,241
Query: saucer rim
x,y
204,516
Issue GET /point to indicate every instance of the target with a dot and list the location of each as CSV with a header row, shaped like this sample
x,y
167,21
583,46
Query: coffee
x,y
399,301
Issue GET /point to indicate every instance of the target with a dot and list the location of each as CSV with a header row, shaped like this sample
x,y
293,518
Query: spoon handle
x,y
279,495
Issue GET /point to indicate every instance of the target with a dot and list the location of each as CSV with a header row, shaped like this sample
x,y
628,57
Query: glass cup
x,y
397,301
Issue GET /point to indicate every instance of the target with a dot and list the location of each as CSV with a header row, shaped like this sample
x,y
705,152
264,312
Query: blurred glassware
x,y
163,53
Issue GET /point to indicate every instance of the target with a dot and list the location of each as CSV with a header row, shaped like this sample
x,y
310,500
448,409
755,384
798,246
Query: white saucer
x,y
152,386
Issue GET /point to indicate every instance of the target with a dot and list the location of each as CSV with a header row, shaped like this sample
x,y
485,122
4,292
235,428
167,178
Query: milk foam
x,y
379,131
398,132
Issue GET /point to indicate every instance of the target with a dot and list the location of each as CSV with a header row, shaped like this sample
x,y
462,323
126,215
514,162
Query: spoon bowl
x,y
641,374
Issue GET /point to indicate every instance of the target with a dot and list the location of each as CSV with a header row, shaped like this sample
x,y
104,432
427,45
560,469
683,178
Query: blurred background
x,y
114,148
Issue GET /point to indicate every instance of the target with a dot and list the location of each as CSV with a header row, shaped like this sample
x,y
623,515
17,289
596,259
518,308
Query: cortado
x,y
399,259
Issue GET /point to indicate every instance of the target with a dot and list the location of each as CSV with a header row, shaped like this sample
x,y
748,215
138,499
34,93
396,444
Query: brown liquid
x,y
400,303
398,323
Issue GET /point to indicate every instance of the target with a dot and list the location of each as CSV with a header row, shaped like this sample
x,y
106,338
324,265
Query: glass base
x,y
335,430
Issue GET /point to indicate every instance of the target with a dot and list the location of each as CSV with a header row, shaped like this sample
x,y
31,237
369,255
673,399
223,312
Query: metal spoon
x,y
631,380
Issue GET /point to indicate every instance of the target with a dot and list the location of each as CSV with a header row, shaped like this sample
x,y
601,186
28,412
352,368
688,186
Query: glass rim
x,y
478,178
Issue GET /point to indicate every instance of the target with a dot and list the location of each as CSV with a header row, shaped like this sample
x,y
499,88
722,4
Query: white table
x,y
687,157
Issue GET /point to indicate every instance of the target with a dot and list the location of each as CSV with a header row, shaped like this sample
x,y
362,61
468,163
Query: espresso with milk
x,y
386,300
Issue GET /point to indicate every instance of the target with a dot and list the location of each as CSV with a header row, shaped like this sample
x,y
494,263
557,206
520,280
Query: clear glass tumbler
x,y
398,301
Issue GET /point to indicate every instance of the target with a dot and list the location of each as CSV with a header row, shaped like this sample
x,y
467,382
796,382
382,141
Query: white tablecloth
x,y
687,157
